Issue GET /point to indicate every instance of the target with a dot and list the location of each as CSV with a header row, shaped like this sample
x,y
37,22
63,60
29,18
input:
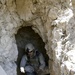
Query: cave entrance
x,y
27,35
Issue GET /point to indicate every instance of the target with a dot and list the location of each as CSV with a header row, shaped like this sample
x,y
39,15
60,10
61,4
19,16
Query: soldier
x,y
32,62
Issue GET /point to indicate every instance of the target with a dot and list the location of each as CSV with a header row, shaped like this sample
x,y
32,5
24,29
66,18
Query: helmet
x,y
29,47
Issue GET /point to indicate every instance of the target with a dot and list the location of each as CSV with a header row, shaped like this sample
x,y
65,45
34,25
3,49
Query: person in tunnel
x,y
32,62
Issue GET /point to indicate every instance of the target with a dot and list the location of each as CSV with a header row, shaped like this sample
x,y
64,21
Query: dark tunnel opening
x,y
27,35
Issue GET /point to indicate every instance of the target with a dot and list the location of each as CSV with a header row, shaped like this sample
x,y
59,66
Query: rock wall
x,y
53,20
9,22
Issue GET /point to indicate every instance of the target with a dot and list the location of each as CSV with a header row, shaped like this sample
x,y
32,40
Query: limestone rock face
x,y
53,20
2,71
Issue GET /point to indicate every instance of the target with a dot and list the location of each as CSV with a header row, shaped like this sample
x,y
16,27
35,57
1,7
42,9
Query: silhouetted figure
x,y
32,62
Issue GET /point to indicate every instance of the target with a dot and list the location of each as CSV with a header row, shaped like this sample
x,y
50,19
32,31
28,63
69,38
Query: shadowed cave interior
x,y
27,35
